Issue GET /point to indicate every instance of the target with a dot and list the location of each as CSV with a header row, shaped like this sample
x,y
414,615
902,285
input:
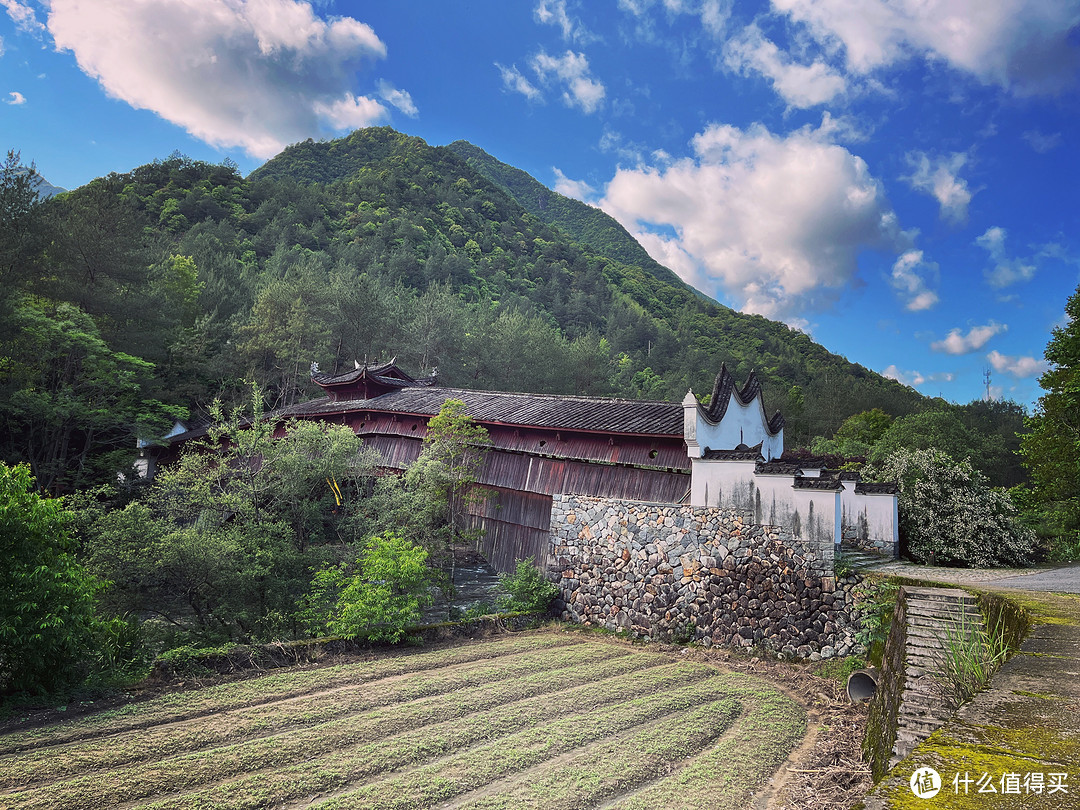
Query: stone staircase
x,y
934,615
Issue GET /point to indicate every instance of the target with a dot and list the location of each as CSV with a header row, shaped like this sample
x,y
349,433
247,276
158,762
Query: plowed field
x,y
544,719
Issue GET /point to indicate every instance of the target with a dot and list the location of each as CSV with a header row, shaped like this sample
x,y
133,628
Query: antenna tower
x,y
986,381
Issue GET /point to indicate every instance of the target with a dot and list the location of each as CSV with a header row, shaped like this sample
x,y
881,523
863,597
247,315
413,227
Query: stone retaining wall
x,y
675,572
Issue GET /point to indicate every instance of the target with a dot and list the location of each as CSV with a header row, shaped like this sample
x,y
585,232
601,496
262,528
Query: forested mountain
x,y
145,295
583,223
646,312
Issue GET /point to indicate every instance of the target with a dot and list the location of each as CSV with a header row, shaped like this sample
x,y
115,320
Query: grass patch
x,y
188,704
157,744
584,720
613,767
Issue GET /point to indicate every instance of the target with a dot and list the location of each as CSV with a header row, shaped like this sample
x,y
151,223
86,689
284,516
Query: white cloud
x,y
1019,367
775,221
514,79
399,99
916,378
578,189
1042,142
252,73
909,277
572,69
15,98
1006,270
1023,45
23,16
939,177
956,342
553,12
800,85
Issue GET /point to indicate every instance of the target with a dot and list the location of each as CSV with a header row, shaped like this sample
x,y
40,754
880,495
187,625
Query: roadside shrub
x,y
379,600
526,589
949,515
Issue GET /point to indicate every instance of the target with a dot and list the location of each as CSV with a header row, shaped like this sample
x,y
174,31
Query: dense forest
x,y
173,292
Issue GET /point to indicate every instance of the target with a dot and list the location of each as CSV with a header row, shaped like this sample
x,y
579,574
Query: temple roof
x,y
527,410
724,386
367,381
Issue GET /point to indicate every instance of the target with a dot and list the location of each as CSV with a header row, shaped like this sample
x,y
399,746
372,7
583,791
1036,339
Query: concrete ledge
x,y
1027,722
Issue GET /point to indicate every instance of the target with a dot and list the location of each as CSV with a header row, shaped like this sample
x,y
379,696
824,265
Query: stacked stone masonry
x,y
675,572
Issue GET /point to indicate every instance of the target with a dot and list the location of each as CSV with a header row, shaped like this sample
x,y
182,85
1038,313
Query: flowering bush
x,y
949,515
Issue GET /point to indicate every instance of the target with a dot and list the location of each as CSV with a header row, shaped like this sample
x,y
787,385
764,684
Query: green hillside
x,y
161,289
583,223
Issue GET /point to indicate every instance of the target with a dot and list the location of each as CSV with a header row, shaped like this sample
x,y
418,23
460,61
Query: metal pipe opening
x,y
862,684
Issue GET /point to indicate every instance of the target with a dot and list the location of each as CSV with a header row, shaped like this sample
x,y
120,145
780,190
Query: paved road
x,y
1064,579
1056,579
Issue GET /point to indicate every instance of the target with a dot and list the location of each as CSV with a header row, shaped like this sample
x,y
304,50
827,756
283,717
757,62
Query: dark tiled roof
x,y
778,468
740,453
723,387
534,410
818,483
869,488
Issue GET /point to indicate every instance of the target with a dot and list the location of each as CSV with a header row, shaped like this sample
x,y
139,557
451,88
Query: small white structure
x,y
735,452
735,417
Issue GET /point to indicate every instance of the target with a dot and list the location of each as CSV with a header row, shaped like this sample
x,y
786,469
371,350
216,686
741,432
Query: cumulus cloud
x,y
776,222
399,99
1022,45
909,278
515,80
258,74
571,69
15,98
940,178
578,189
800,86
1006,270
956,342
23,16
1019,367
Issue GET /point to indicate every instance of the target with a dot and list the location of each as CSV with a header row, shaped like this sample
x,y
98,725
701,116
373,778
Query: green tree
x,y
378,597
47,620
1051,449
949,515
448,471
221,545
70,405
857,435
22,232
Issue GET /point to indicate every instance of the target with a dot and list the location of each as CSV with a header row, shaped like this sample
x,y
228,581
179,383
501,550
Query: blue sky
x,y
898,178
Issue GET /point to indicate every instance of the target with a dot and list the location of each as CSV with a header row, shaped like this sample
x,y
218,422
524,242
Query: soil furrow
x,y
445,779
177,706
49,765
334,772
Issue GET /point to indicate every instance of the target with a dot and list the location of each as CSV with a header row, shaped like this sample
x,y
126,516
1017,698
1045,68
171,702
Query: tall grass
x,y
971,654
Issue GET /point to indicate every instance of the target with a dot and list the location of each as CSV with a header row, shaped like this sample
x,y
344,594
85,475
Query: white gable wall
x,y
741,424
